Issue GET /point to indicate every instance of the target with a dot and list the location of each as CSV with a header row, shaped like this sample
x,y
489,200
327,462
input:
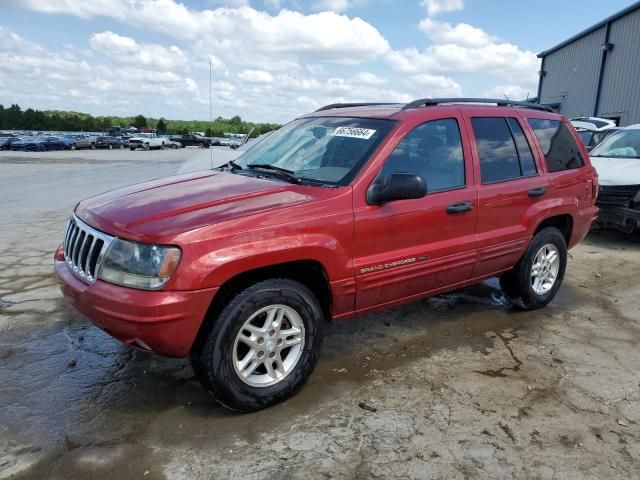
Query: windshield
x,y
586,136
622,144
328,150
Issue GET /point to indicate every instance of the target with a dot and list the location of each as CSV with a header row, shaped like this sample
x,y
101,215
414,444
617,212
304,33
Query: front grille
x,y
84,248
617,195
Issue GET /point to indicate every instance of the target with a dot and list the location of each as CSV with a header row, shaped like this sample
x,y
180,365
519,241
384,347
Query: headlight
x,y
136,265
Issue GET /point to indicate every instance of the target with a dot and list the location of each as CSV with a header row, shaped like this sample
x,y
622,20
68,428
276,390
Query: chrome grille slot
x,y
84,248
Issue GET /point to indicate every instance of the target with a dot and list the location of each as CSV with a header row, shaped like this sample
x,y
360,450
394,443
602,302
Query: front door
x,y
406,248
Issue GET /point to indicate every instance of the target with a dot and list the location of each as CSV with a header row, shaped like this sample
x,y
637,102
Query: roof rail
x,y
347,105
432,102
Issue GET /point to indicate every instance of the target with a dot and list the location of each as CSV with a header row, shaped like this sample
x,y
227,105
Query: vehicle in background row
x,y
38,144
7,140
79,141
169,143
107,141
617,160
192,140
346,210
146,141
592,130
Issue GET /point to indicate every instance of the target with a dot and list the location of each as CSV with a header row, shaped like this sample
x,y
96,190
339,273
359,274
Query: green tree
x,y
162,126
140,121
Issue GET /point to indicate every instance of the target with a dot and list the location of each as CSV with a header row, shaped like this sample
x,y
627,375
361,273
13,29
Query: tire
x,y
93,146
519,285
110,147
121,146
174,146
214,356
132,149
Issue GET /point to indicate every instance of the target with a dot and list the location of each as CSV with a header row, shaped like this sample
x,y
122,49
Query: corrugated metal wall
x,y
573,72
621,81
572,75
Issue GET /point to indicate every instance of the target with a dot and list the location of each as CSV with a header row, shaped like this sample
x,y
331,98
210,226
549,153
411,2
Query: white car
x,y
617,160
592,130
146,141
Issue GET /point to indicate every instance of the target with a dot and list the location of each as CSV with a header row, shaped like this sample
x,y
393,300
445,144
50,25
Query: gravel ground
x,y
456,386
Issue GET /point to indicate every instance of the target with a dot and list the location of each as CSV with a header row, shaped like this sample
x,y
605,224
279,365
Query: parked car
x,y
146,141
78,141
192,140
617,160
346,210
169,143
592,130
107,141
6,141
41,144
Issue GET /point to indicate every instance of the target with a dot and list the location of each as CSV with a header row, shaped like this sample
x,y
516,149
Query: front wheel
x,y
262,347
536,278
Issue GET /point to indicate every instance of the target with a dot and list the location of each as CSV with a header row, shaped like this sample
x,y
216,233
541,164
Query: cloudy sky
x,y
273,59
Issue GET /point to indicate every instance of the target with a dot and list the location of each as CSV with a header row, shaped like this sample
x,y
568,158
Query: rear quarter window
x,y
560,149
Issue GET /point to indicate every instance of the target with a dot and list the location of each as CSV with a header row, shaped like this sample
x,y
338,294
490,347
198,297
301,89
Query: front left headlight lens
x,y
136,265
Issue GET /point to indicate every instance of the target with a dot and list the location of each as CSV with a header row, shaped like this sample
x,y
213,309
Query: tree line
x,y
14,118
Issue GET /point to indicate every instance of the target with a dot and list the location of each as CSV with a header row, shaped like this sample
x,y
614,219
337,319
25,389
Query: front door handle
x,y
537,192
461,207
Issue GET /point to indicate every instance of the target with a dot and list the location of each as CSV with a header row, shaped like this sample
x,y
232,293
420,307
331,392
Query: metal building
x,y
597,71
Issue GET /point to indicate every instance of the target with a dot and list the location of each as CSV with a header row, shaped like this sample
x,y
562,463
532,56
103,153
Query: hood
x,y
617,171
170,206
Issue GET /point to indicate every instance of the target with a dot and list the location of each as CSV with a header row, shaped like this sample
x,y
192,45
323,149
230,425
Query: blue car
x,y
38,144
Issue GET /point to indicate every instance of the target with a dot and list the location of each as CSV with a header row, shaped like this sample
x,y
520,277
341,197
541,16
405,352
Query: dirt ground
x,y
456,386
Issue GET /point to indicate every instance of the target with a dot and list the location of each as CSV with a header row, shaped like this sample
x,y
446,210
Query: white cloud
x,y
436,7
127,50
368,78
333,5
255,76
436,85
502,60
325,35
460,34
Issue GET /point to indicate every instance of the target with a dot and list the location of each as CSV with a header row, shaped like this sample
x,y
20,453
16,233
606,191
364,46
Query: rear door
x,y
510,184
408,247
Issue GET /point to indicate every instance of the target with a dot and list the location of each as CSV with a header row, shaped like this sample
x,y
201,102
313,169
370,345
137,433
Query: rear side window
x,y
503,149
560,149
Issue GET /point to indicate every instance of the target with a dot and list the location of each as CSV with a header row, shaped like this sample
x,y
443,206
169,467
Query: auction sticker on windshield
x,y
353,132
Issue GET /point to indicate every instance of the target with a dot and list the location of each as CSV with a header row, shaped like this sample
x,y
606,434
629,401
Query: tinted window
x,y
558,145
432,150
527,163
496,149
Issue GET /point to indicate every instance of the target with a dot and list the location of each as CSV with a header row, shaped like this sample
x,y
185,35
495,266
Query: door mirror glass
x,y
399,186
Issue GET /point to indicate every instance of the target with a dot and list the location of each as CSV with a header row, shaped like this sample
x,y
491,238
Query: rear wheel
x,y
536,278
262,347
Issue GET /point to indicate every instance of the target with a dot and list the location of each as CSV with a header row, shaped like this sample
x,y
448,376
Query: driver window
x,y
433,151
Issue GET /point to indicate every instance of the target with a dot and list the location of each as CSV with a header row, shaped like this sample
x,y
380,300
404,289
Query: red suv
x,y
349,209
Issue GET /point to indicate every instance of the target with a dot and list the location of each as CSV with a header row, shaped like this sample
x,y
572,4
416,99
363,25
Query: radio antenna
x,y
211,108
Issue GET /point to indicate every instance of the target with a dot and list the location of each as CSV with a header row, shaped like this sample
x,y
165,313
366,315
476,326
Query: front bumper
x,y
625,219
164,322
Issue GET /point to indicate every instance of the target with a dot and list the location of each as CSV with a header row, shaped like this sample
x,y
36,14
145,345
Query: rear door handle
x,y
461,207
537,192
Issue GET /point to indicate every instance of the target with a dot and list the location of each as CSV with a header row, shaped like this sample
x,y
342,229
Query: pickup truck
x,y
146,141
191,140
343,211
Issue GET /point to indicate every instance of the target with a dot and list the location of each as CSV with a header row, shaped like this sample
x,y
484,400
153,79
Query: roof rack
x,y
347,105
432,102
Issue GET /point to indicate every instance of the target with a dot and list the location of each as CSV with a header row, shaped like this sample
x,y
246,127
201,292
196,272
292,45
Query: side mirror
x,y
399,186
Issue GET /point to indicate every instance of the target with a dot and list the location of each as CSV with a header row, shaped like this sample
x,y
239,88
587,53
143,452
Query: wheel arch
x,y
310,273
562,221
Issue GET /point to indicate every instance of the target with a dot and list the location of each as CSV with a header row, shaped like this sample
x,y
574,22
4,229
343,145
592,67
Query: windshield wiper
x,y
288,174
231,165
